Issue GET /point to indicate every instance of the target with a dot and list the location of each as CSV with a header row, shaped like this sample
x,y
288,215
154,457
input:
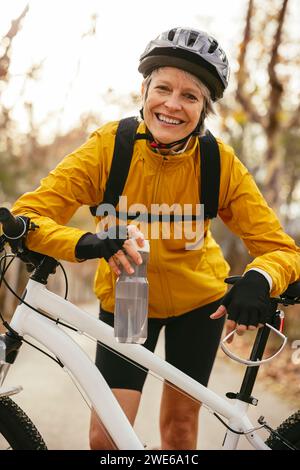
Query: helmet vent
x,y
171,34
192,39
213,47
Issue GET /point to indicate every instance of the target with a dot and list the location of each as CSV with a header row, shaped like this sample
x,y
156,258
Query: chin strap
x,y
159,145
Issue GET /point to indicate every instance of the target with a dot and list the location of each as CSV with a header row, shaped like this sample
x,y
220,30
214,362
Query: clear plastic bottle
x,y
131,302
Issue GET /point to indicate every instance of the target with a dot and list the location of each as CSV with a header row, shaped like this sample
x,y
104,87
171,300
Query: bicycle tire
x,y
17,428
289,430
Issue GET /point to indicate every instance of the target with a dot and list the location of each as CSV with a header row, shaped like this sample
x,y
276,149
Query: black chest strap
x,y
210,174
123,151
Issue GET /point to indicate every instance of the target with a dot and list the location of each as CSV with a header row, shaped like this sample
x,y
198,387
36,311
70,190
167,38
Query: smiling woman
x,y
173,104
184,71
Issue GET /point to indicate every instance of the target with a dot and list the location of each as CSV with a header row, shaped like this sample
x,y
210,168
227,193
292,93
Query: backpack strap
x,y
123,151
210,174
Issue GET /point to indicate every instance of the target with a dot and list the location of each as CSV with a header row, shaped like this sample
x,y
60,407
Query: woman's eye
x,y
191,97
162,88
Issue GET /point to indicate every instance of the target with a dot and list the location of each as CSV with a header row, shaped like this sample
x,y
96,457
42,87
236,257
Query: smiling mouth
x,y
168,120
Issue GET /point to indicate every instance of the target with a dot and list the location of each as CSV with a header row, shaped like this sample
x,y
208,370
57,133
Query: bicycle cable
x,y
257,428
2,274
66,280
8,327
57,321
242,433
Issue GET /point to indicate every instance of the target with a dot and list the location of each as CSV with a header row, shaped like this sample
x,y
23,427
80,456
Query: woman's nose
x,y
173,102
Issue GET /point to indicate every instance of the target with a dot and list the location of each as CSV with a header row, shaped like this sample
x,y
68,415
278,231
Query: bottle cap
x,y
133,234
144,249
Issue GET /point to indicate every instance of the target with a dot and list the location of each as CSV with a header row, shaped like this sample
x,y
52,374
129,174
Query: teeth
x,y
163,118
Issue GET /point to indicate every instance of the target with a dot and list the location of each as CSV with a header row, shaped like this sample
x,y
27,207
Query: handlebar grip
x,y
13,227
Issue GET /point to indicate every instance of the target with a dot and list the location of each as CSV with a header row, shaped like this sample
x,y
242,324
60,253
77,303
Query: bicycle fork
x,y
9,348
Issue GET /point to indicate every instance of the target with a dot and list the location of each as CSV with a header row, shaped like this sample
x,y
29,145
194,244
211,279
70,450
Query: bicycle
x,y
41,314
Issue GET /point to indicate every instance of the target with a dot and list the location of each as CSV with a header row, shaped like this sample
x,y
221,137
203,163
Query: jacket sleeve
x,y
76,181
246,213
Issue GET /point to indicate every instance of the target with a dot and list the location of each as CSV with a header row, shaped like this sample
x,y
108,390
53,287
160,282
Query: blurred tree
x,y
24,161
8,157
262,122
266,111
6,44
8,143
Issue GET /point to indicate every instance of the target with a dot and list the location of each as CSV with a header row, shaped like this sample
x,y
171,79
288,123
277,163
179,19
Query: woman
x,y
184,71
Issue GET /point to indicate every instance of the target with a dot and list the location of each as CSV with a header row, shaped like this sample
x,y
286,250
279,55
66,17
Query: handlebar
x,y
13,227
15,230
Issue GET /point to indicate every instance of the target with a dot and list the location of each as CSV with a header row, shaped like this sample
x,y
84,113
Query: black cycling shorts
x,y
191,343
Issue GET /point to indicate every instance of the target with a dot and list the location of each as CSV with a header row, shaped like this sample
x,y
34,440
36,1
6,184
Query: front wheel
x,y
17,432
290,431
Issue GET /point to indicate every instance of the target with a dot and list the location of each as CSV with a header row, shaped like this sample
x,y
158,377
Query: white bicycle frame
x,y
28,322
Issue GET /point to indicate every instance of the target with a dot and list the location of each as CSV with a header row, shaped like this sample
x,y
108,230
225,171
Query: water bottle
x,y
131,302
2,349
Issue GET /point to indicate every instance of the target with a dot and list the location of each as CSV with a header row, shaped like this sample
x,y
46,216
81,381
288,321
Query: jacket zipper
x,y
162,276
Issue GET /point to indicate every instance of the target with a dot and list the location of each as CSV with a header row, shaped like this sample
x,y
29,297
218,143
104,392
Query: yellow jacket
x,y
179,280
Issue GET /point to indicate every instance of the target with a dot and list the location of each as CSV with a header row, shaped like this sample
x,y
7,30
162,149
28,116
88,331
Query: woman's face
x,y
173,106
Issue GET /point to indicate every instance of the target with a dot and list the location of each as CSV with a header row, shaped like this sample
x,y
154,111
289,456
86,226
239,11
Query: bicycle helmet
x,y
193,51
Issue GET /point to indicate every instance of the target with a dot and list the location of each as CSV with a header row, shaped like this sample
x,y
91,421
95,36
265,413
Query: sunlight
x,y
78,68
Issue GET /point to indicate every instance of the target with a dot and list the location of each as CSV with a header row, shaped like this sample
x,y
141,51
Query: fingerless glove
x,y
248,301
101,245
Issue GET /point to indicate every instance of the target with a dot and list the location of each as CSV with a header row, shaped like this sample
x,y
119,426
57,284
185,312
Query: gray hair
x,y
208,105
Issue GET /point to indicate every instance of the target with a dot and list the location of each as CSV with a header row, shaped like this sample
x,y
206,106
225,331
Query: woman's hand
x,y
114,246
247,304
120,258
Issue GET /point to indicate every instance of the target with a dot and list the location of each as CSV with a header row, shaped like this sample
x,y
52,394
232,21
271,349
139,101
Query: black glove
x,y
248,301
101,245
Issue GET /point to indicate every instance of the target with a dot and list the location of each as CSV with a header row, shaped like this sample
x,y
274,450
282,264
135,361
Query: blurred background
x,y
66,68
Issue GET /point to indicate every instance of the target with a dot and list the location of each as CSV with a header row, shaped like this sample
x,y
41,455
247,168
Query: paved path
x,y
57,409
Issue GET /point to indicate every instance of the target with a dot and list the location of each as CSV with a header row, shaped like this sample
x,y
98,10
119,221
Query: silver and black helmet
x,y
193,51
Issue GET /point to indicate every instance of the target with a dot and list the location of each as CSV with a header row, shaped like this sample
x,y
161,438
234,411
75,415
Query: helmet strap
x,y
159,145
